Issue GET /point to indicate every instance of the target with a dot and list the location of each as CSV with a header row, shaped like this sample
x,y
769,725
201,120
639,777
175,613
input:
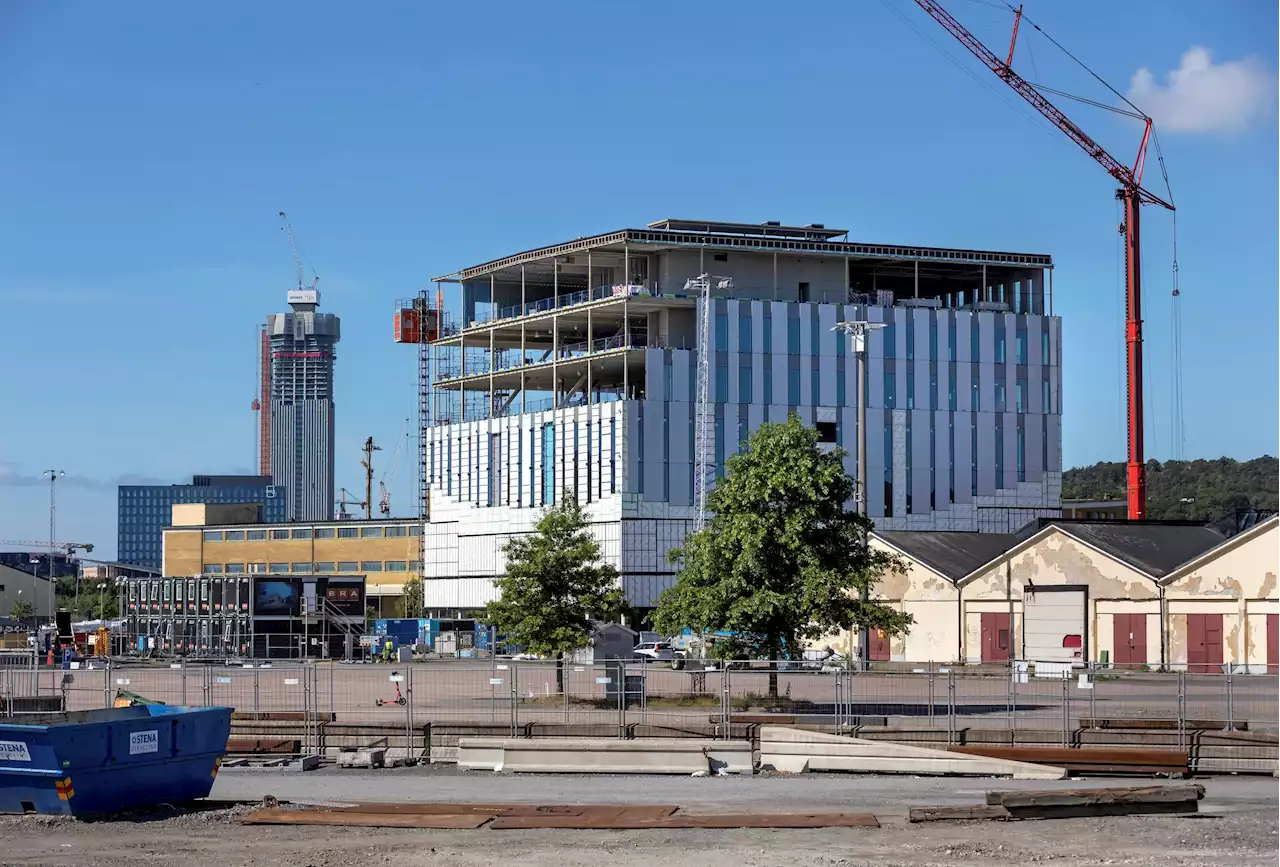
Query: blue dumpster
x,y
101,761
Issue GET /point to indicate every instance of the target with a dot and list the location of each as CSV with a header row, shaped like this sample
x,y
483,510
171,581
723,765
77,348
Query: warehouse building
x,y
573,372
1159,594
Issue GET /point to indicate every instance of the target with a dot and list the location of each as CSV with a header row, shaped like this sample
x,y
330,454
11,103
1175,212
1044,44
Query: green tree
x,y
1204,490
22,609
412,596
782,560
554,587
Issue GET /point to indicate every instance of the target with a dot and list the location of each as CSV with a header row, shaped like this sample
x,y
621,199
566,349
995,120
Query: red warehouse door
x,y
995,637
878,646
1130,640
1204,643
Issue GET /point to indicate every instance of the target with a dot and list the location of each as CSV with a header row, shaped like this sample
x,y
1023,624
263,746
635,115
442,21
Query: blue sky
x,y
148,146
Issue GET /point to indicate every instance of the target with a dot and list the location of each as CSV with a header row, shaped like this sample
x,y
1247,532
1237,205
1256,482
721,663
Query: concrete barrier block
x,y
362,759
593,755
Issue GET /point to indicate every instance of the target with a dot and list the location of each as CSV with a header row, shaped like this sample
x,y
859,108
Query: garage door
x,y
1055,625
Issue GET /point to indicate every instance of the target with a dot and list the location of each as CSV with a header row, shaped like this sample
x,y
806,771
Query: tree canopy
x,y
1215,488
412,596
555,585
782,559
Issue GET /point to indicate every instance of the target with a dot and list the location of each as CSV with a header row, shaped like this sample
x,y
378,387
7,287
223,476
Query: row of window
x,y
1020,402
362,532
890,337
1021,458
509,447
322,567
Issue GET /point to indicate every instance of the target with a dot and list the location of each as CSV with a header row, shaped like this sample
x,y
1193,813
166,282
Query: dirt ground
x,y
1237,826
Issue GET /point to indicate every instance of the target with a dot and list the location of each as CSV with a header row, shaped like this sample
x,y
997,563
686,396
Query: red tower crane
x,y
1131,193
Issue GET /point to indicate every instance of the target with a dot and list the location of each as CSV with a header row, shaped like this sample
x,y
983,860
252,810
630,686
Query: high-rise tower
x,y
302,352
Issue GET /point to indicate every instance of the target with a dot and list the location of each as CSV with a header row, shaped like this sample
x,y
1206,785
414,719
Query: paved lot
x,y
1237,827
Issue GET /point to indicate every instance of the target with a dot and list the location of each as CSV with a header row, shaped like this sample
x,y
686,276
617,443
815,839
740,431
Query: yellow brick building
x,y
387,551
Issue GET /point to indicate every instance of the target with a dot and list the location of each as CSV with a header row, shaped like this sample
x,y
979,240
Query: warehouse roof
x,y
1155,548
952,555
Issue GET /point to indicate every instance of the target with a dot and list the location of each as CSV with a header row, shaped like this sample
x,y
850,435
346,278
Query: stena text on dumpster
x,y
144,742
14,751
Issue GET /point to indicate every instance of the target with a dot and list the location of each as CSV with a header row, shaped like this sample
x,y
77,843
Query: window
x,y
744,334
257,568
890,333
302,534
279,534
348,532
793,337
911,339
208,569
721,322
1020,347
802,293
974,354
371,532
397,532
890,387
371,565
1044,344
397,566
278,568
324,566
255,535
911,389
974,402
793,386
951,389
518,435
720,394
1022,454
613,453
888,471
415,529
1044,396
973,459
448,470
1000,395
590,464
213,535
234,536
999,455
348,566
235,568
300,568
548,464
909,462
326,533
1020,395
744,384
1000,342
415,565
933,336
951,339
826,431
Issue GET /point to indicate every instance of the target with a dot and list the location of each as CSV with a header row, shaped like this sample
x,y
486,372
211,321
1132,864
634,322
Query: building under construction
x,y
574,370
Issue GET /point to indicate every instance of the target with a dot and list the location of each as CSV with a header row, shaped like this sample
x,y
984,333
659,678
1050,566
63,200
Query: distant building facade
x,y
145,510
302,346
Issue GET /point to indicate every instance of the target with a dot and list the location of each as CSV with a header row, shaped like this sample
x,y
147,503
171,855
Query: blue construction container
x,y
102,761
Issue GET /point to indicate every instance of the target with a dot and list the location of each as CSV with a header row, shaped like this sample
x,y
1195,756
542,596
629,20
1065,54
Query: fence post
x,y
726,704
1093,697
621,686
255,688
1182,710
839,699
1066,708
408,715
106,684
932,676
1231,717
951,707
515,698
182,676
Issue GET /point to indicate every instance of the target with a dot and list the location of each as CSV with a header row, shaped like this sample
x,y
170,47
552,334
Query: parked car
x,y
655,650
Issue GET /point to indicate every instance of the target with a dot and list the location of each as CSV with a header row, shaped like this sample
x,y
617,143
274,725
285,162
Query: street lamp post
x,y
858,330
53,536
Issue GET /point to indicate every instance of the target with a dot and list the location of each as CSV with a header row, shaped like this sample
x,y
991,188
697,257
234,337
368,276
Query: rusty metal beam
x,y
444,821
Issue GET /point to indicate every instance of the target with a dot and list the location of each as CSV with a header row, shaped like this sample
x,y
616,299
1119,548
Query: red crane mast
x,y
1131,193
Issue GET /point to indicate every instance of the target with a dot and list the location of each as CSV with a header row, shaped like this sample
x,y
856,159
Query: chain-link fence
x,y
324,706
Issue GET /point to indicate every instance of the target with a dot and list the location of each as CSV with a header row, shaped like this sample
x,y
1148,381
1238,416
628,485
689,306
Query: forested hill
x,y
1217,486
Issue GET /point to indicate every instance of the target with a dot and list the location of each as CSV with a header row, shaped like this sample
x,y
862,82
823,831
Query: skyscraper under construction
x,y
302,350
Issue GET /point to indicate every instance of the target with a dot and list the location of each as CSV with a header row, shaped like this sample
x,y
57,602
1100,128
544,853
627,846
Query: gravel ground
x,y
1237,826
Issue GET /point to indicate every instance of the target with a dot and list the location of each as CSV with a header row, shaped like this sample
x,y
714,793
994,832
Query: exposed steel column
x,y
1137,472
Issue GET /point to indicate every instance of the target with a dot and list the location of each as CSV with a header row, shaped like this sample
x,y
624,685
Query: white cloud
x,y
1203,96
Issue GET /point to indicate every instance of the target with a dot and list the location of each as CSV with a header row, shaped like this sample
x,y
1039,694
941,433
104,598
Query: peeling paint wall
x,y
1238,582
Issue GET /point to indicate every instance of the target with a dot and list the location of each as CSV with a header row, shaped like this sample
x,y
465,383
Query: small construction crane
x,y
67,548
1131,193
297,258
388,478
369,448
344,500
